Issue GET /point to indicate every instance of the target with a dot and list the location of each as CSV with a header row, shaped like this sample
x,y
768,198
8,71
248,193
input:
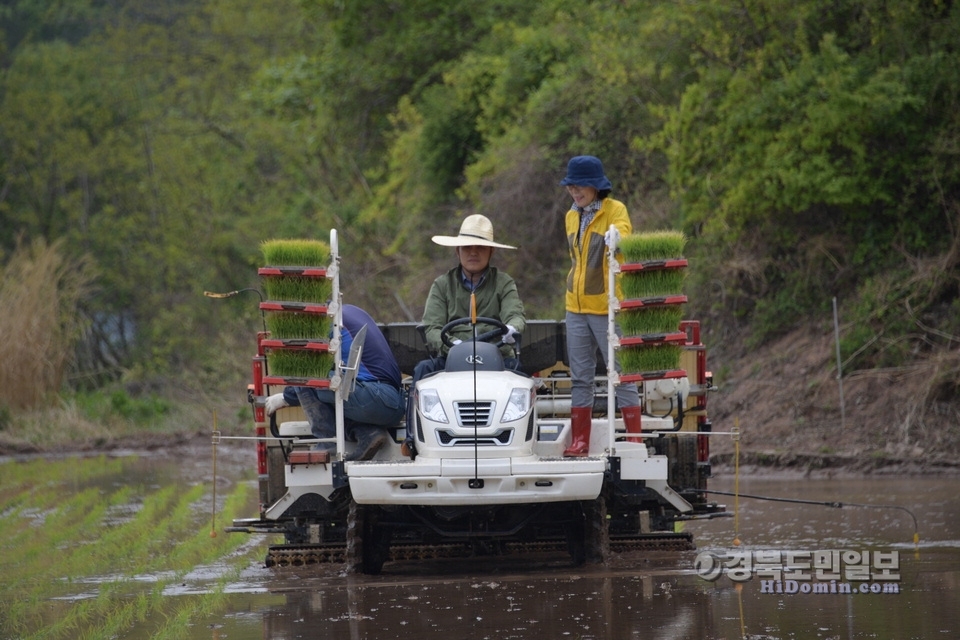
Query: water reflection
x,y
649,596
544,604
660,595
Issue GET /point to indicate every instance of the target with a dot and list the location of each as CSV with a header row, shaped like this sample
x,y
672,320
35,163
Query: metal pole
x,y
335,310
836,333
613,378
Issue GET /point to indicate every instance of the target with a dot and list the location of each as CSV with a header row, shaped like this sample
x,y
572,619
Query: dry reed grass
x,y
40,289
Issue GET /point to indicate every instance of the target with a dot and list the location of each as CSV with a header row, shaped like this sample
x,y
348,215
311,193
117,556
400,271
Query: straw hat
x,y
476,230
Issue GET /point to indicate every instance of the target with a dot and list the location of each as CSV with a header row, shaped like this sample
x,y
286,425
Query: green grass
x,y
643,359
102,404
653,320
653,245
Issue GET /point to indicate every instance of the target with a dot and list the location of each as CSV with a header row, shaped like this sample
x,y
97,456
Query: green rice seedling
x,y
75,558
35,572
653,245
297,288
77,469
650,320
55,514
163,514
152,550
299,364
60,527
54,526
16,507
642,359
177,546
296,253
652,283
293,324
179,624
123,617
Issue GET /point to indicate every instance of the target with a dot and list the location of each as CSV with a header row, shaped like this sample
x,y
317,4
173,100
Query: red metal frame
x,y
634,341
305,272
259,414
653,265
302,307
653,375
658,301
295,343
692,327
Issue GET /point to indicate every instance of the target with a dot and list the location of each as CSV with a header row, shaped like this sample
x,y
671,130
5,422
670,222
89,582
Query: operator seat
x,y
461,357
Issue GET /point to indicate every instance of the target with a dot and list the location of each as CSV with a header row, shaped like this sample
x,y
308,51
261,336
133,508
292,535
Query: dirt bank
x,y
786,401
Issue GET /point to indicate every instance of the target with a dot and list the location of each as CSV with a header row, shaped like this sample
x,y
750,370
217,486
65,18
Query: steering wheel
x,y
501,330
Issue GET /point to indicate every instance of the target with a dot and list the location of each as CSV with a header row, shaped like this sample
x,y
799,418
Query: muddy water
x,y
650,596
654,595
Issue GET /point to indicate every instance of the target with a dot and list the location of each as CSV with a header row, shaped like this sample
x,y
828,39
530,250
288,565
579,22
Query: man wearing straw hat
x,y
588,223
449,298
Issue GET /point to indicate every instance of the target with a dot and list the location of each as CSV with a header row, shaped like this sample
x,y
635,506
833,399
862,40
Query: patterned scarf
x,y
586,217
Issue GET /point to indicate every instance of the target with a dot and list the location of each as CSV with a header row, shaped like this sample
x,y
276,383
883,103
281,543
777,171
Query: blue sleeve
x,y
290,395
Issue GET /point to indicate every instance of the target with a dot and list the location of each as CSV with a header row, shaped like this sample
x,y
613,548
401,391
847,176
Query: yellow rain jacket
x,y
587,280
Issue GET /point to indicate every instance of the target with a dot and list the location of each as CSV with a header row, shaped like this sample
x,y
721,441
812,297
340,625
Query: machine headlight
x,y
517,406
430,406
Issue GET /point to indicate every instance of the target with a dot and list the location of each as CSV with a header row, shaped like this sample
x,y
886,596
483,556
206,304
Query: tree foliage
x,y
806,147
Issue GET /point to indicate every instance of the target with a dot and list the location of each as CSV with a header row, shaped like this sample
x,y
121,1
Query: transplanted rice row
x,y
200,548
177,625
18,512
73,541
41,572
46,531
165,516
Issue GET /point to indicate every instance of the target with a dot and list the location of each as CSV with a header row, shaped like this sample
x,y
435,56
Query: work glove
x,y
508,336
275,402
611,237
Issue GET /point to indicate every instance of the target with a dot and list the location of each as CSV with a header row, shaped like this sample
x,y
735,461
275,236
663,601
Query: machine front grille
x,y
501,438
474,414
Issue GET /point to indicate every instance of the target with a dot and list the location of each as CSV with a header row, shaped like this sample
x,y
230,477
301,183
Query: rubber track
x,y
306,554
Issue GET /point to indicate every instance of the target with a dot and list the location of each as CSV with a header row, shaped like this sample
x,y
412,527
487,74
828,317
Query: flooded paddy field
x,y
122,546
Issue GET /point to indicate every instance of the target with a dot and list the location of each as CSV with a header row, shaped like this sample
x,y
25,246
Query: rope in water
x,y
828,503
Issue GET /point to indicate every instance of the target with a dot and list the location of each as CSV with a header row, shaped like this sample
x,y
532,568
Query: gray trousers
x,y
586,333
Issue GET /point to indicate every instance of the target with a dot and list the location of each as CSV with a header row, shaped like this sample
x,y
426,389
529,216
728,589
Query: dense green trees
x,y
816,139
807,147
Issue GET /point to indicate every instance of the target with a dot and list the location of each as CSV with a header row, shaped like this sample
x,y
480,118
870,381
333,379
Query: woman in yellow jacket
x,y
588,234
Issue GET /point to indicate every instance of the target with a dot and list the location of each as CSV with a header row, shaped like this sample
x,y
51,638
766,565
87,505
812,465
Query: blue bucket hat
x,y
586,171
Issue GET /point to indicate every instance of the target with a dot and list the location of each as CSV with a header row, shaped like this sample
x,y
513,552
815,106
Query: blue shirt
x,y
376,362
